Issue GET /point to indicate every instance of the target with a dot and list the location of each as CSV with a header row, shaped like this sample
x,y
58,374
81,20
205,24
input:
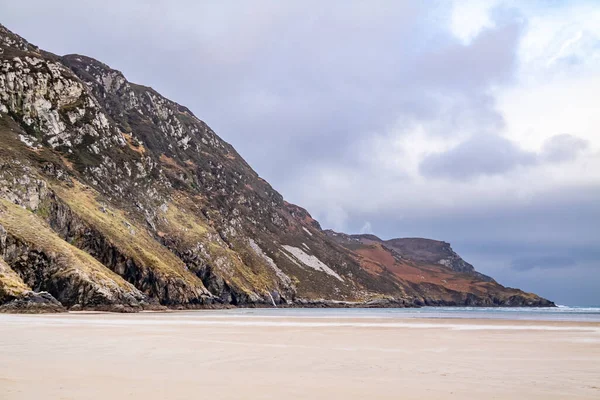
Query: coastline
x,y
183,354
35,306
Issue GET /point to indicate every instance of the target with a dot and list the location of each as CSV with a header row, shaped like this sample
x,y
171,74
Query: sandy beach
x,y
214,355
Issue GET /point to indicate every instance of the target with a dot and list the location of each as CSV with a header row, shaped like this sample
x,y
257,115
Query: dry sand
x,y
208,355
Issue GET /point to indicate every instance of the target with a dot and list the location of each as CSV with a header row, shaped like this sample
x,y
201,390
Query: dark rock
x,y
33,303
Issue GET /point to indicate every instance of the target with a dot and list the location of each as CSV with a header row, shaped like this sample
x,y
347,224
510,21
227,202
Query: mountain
x,y
427,251
113,197
435,274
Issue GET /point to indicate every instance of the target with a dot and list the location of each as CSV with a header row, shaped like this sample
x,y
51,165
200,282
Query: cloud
x,y
493,155
575,284
479,155
307,83
487,59
561,148
542,262
366,228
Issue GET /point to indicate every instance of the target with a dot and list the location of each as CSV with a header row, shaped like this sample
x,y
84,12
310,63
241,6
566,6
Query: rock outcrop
x,y
427,251
113,197
433,272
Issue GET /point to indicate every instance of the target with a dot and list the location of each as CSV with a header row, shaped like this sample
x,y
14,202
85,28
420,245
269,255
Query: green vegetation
x,y
239,267
31,230
11,284
43,210
124,233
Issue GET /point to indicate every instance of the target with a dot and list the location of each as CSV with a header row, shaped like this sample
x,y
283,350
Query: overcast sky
x,y
472,122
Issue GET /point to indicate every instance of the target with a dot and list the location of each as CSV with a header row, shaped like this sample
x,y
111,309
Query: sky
x,y
472,122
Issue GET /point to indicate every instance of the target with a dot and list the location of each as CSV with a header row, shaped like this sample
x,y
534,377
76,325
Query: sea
x,y
560,313
424,317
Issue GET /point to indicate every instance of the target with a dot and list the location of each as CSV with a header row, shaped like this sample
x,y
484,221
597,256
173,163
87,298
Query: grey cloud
x,y
573,285
480,155
488,59
544,223
562,148
542,262
494,155
290,83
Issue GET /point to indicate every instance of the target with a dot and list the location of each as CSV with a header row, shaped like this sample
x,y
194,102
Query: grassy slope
x,y
240,268
34,232
11,284
125,233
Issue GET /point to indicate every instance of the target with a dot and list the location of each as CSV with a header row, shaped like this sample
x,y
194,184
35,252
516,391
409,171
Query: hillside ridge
x,y
134,203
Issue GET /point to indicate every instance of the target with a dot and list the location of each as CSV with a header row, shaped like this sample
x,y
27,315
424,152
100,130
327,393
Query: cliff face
x,y
427,251
433,272
114,197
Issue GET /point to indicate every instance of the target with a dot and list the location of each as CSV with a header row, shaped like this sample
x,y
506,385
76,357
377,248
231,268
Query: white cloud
x,y
546,99
470,17
559,36
366,228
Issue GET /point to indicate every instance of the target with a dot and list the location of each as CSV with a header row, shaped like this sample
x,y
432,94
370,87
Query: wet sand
x,y
211,355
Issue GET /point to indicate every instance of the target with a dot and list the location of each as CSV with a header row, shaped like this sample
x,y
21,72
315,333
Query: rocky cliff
x,y
113,197
433,272
426,251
